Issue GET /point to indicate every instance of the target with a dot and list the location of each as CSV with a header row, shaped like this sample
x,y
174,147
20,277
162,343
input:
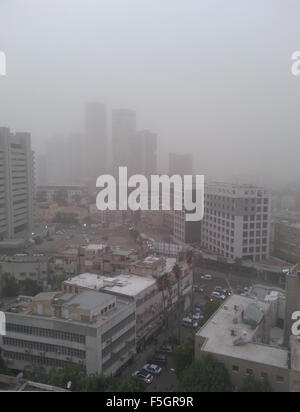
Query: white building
x,y
92,330
16,184
236,222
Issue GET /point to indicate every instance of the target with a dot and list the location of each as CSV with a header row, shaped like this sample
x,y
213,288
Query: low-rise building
x,y
92,330
117,260
22,267
71,193
239,335
287,241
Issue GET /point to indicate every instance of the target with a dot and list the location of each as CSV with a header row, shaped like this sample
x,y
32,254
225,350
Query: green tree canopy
x,y
205,375
250,384
183,354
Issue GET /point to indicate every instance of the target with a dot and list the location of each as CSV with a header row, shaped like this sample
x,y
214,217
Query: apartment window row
x,y
39,360
111,332
117,342
43,332
44,347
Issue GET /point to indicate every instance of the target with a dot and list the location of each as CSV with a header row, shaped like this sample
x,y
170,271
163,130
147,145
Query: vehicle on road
x,y
144,377
189,323
206,277
152,368
197,316
218,295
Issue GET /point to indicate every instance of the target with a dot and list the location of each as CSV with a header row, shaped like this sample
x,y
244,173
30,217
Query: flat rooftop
x,y
219,341
123,284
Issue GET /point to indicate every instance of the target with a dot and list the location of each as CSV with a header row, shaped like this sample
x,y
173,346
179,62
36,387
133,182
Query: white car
x,y
197,316
207,277
218,295
155,369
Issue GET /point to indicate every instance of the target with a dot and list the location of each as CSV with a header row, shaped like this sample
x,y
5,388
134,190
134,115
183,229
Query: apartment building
x,y
140,290
117,260
69,193
93,330
22,267
91,258
16,184
238,335
287,241
236,222
65,261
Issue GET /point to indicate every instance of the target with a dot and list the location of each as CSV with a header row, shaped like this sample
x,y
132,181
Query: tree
x,y
58,281
178,273
209,309
10,286
250,384
205,375
29,287
80,382
190,257
183,355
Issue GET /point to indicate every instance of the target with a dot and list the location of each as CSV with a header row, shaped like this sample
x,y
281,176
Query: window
x,y
279,379
235,369
249,372
264,376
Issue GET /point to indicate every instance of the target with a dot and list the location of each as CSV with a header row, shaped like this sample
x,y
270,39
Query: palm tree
x,y
162,284
178,272
190,259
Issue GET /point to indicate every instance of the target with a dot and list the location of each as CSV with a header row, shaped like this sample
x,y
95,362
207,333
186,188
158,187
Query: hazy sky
x,y
211,77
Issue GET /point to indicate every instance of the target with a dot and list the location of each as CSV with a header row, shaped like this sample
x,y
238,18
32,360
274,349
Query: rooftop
x,y
130,285
95,247
219,339
123,284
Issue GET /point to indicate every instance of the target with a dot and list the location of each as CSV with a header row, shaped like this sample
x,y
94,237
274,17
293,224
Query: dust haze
x,y
210,78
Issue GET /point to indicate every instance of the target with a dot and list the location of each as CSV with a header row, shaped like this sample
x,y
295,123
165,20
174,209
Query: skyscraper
x,y
123,131
143,153
95,141
180,164
16,184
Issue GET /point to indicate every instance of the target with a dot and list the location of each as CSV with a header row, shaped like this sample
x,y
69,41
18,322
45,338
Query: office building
x,y
96,143
92,330
180,164
123,131
143,154
16,184
236,222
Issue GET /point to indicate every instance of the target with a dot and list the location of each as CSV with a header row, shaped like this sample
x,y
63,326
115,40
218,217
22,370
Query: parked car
x,y
144,377
152,368
190,323
197,316
206,277
218,295
197,308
